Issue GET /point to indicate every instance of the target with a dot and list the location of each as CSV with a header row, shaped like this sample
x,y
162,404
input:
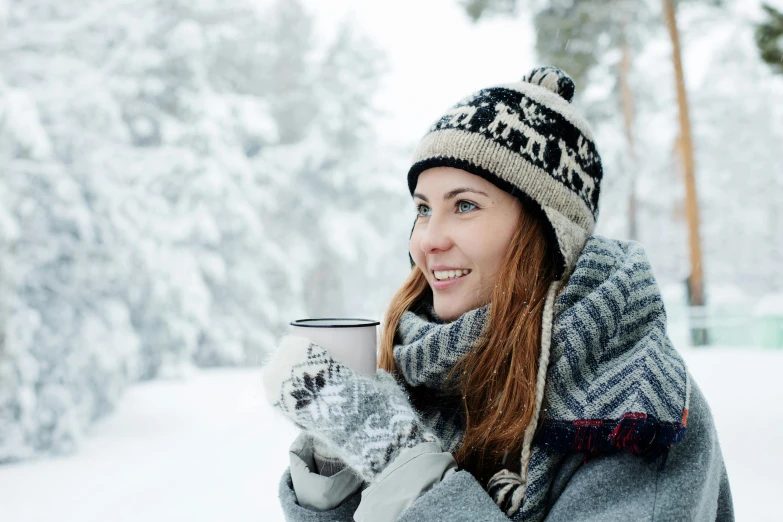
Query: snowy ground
x,y
207,449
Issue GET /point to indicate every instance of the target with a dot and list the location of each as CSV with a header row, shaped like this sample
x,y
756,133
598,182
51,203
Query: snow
x,y
770,305
205,448
208,448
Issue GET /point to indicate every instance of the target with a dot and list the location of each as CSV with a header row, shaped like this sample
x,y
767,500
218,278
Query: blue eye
x,y
465,206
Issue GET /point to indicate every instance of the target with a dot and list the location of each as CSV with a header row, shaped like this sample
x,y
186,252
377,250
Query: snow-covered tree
x,y
174,175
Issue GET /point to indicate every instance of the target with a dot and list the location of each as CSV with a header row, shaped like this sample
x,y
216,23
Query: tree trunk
x,y
696,279
626,99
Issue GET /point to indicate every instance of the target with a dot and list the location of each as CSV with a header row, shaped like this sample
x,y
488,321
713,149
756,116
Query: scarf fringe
x,y
634,433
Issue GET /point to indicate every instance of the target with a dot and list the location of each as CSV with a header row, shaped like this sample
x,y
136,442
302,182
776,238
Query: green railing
x,y
733,324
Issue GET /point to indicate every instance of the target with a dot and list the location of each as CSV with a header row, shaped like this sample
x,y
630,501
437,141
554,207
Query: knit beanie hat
x,y
527,139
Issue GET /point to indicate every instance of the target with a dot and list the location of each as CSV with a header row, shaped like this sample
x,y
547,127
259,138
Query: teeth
x,y
442,275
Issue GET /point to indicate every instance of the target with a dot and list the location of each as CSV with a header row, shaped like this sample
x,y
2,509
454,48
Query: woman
x,y
525,371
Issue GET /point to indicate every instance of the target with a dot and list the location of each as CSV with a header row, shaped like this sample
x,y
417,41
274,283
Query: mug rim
x,y
365,322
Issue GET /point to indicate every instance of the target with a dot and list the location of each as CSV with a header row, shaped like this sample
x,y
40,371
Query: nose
x,y
435,236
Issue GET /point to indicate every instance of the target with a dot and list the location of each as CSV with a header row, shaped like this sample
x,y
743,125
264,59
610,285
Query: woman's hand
x,y
365,421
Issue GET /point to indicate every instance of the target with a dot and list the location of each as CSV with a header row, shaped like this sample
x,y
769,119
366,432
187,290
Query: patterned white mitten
x,y
365,421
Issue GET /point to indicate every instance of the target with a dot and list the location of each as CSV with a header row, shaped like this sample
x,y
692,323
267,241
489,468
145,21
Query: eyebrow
x,y
451,194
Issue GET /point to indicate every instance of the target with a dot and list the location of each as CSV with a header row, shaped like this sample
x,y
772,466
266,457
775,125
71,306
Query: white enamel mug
x,y
352,342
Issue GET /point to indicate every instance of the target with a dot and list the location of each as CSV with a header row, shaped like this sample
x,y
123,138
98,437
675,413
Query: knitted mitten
x,y
366,421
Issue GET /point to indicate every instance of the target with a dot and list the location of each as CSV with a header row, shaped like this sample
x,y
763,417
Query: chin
x,y
451,307
450,312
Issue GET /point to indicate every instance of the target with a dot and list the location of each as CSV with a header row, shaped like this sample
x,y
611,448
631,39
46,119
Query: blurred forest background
x,y
179,179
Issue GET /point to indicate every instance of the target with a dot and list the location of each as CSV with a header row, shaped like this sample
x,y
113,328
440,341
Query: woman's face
x,y
465,225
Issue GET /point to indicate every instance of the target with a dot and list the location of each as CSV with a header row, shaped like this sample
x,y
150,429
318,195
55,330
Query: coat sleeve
x,y
412,474
295,512
458,498
693,485
307,496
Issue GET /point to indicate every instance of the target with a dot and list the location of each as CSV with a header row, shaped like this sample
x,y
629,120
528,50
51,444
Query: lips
x,y
450,281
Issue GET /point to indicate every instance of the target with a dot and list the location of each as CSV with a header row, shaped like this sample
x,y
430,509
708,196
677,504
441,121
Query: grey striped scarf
x,y
613,383
430,348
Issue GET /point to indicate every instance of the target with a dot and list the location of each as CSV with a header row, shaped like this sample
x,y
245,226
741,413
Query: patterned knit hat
x,y
527,139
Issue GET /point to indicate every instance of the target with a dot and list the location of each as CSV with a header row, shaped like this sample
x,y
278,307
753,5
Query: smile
x,y
445,275
448,278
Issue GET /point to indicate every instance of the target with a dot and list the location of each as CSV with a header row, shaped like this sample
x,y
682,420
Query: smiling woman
x,y
525,369
511,262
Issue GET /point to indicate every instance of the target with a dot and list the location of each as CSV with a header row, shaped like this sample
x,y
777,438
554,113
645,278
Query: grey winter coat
x,y
692,486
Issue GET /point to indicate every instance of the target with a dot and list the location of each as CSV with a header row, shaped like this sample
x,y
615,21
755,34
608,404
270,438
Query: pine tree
x,y
769,38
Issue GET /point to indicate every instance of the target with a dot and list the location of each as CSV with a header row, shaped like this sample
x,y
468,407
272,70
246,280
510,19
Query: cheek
x,y
416,252
487,252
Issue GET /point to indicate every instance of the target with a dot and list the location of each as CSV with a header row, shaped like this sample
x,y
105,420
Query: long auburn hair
x,y
497,379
